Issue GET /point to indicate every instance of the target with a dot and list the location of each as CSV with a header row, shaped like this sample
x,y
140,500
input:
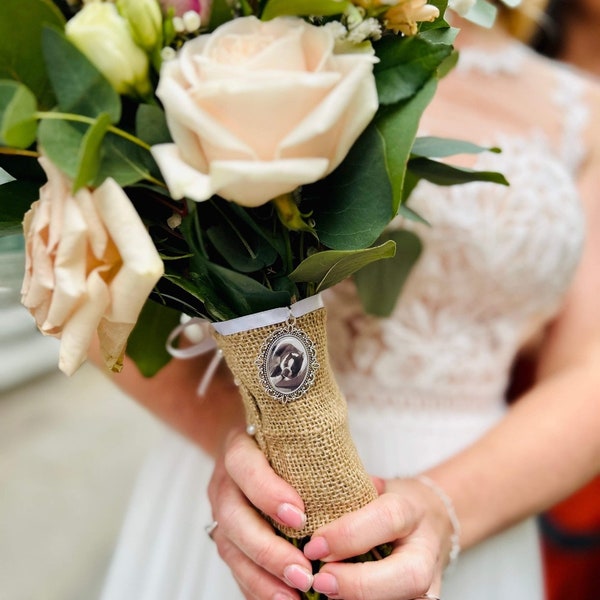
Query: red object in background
x,y
571,546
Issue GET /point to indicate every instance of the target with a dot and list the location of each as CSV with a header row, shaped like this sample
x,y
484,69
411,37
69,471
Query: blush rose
x,y
90,266
257,109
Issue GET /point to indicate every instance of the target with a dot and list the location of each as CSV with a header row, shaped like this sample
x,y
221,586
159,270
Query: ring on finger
x,y
210,529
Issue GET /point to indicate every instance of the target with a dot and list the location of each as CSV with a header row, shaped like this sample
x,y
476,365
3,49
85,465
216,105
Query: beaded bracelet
x,y
447,501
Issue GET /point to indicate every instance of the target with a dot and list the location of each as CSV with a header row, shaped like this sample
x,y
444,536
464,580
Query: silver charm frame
x,y
287,363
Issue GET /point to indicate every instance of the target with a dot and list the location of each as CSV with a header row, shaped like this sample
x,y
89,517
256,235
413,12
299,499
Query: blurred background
x,y
70,449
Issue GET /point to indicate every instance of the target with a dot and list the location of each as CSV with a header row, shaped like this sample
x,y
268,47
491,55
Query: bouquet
x,y
228,161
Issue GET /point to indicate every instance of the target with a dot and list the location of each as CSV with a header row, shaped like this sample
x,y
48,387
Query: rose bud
x,y
104,37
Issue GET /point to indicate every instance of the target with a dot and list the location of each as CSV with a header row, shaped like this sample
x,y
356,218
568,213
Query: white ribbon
x,y
206,343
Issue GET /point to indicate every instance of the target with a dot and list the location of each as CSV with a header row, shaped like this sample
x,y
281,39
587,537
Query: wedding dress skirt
x,y
429,380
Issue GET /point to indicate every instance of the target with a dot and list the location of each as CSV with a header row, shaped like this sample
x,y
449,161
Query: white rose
x,y
257,109
90,266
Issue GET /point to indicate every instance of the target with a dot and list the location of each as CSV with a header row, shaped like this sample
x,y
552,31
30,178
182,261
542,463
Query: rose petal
x,y
79,330
142,267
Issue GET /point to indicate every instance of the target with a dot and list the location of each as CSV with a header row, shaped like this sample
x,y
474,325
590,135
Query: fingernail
x,y
289,515
298,577
325,583
280,596
316,548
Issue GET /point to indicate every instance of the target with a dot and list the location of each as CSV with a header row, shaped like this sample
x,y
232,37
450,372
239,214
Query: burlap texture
x,y
307,441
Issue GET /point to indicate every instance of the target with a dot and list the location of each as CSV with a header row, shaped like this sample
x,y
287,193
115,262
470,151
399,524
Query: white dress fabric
x,y
423,383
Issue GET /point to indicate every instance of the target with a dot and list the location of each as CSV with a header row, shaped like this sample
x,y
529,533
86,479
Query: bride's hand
x,y
265,566
408,514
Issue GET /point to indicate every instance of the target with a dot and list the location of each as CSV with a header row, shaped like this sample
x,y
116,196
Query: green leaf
x,y
353,205
435,147
245,252
89,152
332,266
79,86
201,289
408,213
380,284
405,66
444,174
126,162
61,141
398,127
307,8
243,294
120,159
482,13
16,198
146,344
21,23
220,12
18,125
151,125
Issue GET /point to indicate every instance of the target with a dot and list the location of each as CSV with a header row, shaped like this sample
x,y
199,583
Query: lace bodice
x,y
495,266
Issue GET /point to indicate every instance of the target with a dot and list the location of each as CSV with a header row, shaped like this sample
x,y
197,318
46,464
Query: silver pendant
x,y
287,363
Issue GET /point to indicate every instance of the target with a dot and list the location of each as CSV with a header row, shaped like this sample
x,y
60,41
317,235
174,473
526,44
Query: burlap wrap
x,y
306,441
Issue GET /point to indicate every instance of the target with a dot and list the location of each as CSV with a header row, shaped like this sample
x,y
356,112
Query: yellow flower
x,y
404,15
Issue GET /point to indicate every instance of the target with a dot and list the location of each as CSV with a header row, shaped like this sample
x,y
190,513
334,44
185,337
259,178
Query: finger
x,y
251,471
387,518
255,583
379,484
409,572
241,526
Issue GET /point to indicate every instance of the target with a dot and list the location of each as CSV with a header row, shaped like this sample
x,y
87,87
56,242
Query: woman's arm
x,y
171,396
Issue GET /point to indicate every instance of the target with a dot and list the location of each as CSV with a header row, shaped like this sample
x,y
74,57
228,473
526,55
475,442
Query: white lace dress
x,y
424,383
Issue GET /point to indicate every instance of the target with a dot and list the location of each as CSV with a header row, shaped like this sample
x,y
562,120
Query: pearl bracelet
x,y
449,505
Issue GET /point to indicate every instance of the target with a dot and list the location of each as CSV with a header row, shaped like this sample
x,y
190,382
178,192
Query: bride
x,y
504,270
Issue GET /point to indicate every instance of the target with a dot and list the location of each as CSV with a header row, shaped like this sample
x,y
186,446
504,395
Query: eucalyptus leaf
x,y
332,266
61,141
436,147
21,23
146,344
18,105
380,284
89,152
444,174
353,205
127,163
79,86
307,8
16,198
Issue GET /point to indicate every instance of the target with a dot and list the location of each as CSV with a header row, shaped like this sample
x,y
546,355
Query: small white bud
x,y
191,21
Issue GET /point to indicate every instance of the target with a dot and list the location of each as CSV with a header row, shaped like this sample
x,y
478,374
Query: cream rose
x,y
258,108
90,266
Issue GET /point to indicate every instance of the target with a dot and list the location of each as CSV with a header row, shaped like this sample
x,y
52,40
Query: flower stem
x,y
90,121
